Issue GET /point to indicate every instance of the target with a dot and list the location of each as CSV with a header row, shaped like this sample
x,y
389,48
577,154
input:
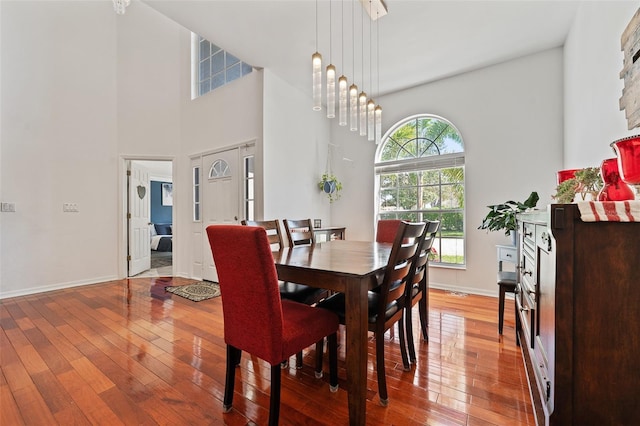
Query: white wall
x,y
593,61
295,151
58,144
510,118
73,107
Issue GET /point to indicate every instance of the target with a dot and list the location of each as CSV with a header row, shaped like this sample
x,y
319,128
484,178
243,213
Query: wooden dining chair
x,y
256,320
290,291
418,290
272,227
387,306
299,232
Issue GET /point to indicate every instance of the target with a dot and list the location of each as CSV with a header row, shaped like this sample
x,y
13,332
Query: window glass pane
x,y
388,199
205,69
196,212
217,64
204,49
388,181
204,87
234,73
250,210
429,197
196,175
217,80
214,49
231,60
407,198
249,166
246,69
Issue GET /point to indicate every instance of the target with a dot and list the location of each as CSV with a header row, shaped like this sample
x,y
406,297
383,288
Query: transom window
x,y
420,176
215,66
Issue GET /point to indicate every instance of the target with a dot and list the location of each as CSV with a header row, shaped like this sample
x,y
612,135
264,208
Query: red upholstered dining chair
x,y
386,230
387,306
291,291
256,320
418,290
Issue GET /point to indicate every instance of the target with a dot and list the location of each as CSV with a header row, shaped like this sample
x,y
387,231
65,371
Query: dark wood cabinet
x,y
578,322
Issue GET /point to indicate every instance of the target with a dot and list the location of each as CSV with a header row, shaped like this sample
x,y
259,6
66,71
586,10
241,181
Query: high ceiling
x,y
419,40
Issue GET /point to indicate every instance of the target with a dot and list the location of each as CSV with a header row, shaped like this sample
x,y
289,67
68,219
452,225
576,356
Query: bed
x,y
161,235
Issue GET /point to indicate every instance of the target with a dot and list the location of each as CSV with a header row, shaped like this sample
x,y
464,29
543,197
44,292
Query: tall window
x,y
420,176
216,67
249,187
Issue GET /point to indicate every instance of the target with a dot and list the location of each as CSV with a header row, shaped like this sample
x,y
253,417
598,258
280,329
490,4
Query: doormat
x,y
198,291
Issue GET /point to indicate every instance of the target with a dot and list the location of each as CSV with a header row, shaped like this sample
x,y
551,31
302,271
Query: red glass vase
x,y
628,152
614,188
566,175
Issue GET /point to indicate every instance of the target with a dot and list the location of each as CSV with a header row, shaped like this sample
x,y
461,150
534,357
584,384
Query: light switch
x,y
9,207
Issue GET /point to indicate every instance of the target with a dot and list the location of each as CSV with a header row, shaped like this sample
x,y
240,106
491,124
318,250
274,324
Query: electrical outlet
x,y
70,207
9,207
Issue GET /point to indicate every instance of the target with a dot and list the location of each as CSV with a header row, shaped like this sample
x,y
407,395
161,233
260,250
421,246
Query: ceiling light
x,y
120,6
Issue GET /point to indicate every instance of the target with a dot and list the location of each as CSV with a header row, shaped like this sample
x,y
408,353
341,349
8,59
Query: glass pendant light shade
x,y
370,120
362,100
378,118
342,100
316,64
331,91
353,107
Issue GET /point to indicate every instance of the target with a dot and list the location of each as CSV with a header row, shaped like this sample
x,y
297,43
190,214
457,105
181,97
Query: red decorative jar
x,y
566,175
628,152
614,188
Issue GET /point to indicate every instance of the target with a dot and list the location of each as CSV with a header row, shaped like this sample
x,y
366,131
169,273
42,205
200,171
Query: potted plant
x,y
330,185
502,217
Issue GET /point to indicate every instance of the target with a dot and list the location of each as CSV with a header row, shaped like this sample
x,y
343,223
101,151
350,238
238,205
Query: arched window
x,y
420,176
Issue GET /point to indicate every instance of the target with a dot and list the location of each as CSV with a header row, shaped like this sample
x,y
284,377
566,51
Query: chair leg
x,y
423,304
233,354
382,379
409,327
299,360
501,309
333,362
274,400
403,344
319,352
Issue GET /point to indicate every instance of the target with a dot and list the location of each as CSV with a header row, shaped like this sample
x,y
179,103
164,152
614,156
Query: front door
x,y
221,186
139,219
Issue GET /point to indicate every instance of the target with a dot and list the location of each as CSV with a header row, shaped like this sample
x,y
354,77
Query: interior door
x,y
221,186
139,215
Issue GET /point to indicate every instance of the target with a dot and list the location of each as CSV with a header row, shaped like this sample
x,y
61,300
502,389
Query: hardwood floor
x,y
127,352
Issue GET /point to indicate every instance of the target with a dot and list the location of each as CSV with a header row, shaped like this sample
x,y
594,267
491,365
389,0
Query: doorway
x,y
150,230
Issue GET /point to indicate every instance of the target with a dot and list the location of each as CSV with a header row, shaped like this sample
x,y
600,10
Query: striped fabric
x,y
611,211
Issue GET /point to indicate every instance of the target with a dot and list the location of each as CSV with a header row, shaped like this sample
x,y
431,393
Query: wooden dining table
x,y
350,267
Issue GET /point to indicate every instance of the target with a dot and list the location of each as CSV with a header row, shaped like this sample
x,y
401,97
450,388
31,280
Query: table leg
x,y
356,349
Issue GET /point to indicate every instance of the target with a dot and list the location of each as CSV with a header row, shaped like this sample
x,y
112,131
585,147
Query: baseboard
x,y
59,286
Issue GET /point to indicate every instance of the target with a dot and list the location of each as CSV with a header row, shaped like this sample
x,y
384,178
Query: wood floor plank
x,y
128,352
10,413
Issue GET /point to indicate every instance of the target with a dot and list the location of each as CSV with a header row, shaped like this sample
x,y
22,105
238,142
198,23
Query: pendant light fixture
x,y
342,81
353,89
316,66
120,6
331,76
370,103
378,109
364,114
362,97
